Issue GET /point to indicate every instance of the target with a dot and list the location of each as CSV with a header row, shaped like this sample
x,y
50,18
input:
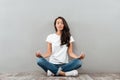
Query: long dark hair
x,y
65,36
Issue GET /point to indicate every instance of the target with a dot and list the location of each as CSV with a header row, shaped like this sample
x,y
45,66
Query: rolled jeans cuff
x,y
59,69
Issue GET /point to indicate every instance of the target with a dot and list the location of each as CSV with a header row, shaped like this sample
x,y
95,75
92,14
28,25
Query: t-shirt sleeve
x,y
48,39
71,39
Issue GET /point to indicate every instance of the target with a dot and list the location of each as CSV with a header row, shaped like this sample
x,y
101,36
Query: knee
x,y
39,61
78,62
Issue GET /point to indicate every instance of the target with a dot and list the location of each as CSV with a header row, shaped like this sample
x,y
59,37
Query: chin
x,y
60,29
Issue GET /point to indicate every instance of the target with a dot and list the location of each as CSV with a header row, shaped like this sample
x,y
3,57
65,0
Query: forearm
x,y
73,55
45,55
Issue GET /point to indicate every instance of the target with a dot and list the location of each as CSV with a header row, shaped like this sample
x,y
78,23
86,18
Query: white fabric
x,y
71,73
49,73
59,53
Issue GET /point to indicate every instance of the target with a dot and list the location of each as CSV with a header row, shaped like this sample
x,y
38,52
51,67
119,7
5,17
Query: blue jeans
x,y
56,68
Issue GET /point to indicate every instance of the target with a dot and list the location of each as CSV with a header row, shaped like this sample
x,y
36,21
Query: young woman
x,y
59,46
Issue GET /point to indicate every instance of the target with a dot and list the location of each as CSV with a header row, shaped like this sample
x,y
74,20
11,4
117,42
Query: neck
x,y
58,33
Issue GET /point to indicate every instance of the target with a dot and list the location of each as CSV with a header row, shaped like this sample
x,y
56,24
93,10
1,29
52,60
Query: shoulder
x,y
50,38
50,35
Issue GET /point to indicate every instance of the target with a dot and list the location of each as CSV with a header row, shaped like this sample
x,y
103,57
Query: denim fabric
x,y
55,68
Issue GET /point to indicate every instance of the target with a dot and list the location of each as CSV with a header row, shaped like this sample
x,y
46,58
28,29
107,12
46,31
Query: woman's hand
x,y
38,54
82,55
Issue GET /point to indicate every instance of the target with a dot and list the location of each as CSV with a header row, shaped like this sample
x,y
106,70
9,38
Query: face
x,y
59,24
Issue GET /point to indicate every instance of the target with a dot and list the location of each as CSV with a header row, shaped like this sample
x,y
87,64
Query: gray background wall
x,y
94,24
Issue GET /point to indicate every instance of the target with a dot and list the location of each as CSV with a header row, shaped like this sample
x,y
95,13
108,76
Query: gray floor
x,y
37,75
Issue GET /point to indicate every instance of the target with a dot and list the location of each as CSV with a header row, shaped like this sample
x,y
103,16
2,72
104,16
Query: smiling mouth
x,y
59,27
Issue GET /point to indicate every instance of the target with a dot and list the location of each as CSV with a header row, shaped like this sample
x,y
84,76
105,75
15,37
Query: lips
x,y
59,27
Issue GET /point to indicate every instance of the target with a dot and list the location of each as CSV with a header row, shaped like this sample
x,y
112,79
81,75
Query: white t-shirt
x,y
59,53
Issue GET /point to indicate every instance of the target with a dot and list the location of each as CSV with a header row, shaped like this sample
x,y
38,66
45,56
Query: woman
x,y
59,46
